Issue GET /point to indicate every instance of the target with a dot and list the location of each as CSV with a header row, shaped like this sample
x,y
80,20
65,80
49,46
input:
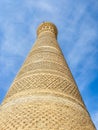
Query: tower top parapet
x,y
47,27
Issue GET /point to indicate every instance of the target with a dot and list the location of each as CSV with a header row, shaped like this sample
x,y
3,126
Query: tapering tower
x,y
44,95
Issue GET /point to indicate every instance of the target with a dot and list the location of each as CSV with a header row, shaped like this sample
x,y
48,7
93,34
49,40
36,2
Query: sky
x,y
77,23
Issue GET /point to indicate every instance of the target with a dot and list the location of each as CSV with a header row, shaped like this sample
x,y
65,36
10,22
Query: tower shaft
x,y
44,95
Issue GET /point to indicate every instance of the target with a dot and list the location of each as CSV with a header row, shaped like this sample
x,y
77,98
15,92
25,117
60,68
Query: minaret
x,y
44,95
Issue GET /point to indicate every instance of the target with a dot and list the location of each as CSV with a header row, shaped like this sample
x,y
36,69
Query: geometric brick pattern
x,y
44,95
46,82
45,115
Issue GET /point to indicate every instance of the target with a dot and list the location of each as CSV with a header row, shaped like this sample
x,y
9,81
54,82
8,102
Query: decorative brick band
x,y
47,27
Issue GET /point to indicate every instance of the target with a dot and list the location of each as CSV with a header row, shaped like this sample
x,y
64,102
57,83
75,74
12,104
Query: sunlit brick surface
x,y
44,95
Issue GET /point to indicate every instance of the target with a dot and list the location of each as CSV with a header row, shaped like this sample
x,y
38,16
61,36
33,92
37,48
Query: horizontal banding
x,y
47,27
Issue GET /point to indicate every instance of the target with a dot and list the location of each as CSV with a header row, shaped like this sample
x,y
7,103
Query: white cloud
x,y
82,48
95,119
40,5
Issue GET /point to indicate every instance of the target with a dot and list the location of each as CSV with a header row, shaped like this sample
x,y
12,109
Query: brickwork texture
x,y
44,95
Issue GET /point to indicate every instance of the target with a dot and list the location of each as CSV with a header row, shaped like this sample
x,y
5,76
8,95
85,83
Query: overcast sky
x,y
77,23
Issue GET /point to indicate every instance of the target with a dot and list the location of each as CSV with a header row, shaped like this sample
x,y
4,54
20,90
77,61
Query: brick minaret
x,y
44,95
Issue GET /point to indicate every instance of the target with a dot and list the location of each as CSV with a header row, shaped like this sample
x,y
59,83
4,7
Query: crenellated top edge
x,y
47,27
